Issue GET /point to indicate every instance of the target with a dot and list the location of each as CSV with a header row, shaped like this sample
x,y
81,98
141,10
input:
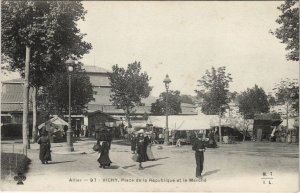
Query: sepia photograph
x,y
149,96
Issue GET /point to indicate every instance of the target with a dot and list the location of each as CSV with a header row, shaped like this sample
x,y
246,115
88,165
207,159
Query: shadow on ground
x,y
125,167
112,167
162,158
154,165
61,162
211,172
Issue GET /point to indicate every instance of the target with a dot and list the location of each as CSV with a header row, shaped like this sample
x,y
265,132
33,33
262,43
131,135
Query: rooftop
x,y
12,96
100,79
95,69
267,116
14,81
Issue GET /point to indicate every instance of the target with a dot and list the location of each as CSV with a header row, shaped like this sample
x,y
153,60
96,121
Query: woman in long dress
x,y
45,146
149,151
141,149
104,159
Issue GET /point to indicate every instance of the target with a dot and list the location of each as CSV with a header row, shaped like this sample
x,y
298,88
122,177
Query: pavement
x,y
246,166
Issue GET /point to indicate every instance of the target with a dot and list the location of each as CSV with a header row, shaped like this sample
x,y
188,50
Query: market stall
x,y
183,128
55,126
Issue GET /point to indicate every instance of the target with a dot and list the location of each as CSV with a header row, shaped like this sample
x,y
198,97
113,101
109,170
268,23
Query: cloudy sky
x,y
183,39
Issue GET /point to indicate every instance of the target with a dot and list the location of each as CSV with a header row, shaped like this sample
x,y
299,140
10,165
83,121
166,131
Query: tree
x,y
36,38
232,96
174,104
186,99
271,100
128,87
288,32
253,101
287,92
54,96
214,90
241,124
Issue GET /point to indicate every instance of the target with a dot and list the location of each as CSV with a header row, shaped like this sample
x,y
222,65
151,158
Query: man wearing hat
x,y
199,147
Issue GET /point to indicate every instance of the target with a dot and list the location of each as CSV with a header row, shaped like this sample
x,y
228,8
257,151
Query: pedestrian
x,y
141,149
84,129
133,142
104,141
77,131
65,131
161,136
149,144
109,137
104,159
212,143
45,148
199,148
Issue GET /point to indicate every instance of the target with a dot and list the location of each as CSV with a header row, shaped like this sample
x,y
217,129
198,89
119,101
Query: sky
x,y
184,39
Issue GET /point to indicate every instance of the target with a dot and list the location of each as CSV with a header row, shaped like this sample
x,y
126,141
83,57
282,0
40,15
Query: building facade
x,y
102,91
12,108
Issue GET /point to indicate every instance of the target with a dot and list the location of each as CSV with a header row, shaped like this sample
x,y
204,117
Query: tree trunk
x,y
244,131
25,128
34,115
220,127
287,115
128,117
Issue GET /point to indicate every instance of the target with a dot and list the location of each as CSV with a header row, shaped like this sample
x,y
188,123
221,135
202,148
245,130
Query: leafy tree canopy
x,y
49,28
232,96
288,32
253,101
129,86
287,91
53,98
174,104
214,90
187,99
271,100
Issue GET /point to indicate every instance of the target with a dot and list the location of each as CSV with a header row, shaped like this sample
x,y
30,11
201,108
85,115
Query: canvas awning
x,y
188,122
55,121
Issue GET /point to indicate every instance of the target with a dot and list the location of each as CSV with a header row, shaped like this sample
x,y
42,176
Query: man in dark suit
x,y
199,147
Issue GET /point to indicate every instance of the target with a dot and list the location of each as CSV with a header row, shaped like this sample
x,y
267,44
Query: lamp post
x,y
167,81
70,147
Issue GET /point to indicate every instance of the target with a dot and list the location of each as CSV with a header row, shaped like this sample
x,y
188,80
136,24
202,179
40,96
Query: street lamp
x,y
70,62
167,81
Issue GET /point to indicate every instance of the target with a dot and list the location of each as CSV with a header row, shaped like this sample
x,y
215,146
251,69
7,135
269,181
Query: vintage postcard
x,y
150,96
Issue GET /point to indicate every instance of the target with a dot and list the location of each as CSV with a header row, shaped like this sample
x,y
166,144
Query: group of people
x,y
141,143
77,131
